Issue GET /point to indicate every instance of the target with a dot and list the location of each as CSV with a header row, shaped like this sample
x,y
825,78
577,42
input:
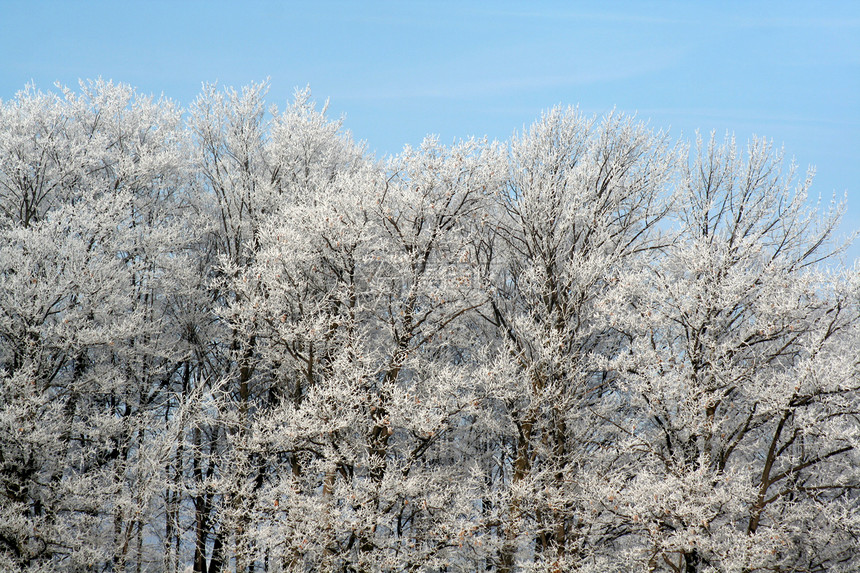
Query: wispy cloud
x,y
753,117
525,69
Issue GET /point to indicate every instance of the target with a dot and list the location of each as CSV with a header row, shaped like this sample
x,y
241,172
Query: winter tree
x,y
233,340
580,208
738,394
90,239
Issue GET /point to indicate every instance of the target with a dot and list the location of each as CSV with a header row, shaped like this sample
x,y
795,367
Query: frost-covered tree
x,y
89,245
580,208
355,299
233,340
737,406
41,159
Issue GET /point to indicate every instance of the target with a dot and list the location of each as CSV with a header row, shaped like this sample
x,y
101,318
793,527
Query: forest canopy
x,y
231,339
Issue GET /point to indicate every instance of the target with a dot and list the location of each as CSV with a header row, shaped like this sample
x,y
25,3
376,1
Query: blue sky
x,y
398,71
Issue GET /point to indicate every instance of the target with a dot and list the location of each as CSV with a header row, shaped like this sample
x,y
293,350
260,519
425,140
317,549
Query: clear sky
x,y
398,71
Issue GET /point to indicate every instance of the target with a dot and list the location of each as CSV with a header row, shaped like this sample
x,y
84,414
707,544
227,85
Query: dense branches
x,y
241,343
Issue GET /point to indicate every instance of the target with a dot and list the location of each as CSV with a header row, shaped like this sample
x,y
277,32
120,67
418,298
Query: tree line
x,y
233,340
